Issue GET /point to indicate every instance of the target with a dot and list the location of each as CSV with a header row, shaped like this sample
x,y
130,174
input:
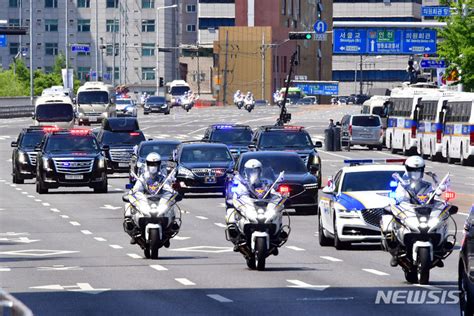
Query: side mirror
x,y
328,190
125,197
14,144
453,210
37,148
318,144
105,148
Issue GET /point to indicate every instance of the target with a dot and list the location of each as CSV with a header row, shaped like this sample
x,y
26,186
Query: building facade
x,y
123,37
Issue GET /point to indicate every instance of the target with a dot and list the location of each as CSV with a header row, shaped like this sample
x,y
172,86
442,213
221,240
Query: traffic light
x,y
300,35
161,82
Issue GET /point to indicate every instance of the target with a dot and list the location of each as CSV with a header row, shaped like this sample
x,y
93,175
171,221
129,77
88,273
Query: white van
x,y
54,110
175,90
95,101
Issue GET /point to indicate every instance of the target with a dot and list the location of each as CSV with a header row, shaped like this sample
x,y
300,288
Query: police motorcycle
x,y
187,102
415,232
152,219
255,224
238,99
249,102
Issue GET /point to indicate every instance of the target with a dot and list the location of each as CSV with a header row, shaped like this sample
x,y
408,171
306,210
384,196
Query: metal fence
x,y
11,306
16,107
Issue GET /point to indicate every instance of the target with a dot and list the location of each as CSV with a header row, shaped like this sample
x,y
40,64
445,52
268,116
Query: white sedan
x,y
353,202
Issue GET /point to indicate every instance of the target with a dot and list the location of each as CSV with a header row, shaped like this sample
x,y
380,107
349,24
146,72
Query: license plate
x,y
366,135
123,164
210,179
74,177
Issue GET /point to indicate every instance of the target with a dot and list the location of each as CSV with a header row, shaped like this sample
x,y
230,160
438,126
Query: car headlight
x,y
21,157
101,163
105,114
46,163
146,106
184,172
343,213
315,160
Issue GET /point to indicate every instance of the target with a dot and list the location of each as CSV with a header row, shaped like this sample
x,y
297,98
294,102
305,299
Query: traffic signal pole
x,y
285,117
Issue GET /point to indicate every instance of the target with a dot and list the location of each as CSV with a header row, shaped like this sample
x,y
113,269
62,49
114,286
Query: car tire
x,y
102,187
17,179
323,240
167,113
379,148
41,188
338,244
146,113
466,301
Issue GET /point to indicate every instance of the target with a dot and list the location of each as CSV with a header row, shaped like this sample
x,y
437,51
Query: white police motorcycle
x,y
150,226
256,230
249,103
416,234
239,101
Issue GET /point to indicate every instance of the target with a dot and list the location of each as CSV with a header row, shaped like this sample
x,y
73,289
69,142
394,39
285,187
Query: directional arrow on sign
x,y
110,207
372,45
79,287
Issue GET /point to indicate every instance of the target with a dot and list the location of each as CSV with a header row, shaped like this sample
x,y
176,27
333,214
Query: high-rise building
x,y
123,37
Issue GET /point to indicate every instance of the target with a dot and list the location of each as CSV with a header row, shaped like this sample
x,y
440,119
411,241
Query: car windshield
x,y
232,136
69,143
58,112
31,139
282,139
165,150
122,101
156,100
88,97
366,121
291,164
180,90
205,154
357,181
378,110
122,138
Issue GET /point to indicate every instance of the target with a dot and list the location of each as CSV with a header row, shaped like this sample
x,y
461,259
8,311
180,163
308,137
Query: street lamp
x,y
158,46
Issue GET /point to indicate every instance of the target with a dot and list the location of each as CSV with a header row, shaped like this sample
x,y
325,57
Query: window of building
x,y
83,3
51,25
148,49
112,26
215,23
51,49
14,22
14,48
112,3
14,3
84,53
148,25
51,3
83,25
148,4
148,73
283,7
191,8
117,73
109,50
82,72
191,27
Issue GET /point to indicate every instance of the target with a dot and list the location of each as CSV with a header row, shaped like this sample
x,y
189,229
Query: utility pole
x,y
263,65
66,45
96,39
225,66
113,54
198,70
32,89
120,41
360,87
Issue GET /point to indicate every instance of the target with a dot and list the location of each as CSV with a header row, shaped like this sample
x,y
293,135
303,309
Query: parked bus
x,y
54,110
95,101
458,136
175,90
402,118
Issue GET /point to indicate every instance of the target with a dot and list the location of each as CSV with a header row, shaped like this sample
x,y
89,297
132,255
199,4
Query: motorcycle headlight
x,y
21,157
412,223
46,163
140,164
433,223
101,163
343,213
184,172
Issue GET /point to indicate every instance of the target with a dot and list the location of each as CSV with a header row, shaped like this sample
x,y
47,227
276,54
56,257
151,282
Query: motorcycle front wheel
x,y
251,262
424,265
260,253
154,243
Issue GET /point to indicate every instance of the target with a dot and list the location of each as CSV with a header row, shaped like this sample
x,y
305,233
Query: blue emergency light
x,y
355,162
223,126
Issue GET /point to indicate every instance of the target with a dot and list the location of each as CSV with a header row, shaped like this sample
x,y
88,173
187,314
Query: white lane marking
x,y
303,285
295,248
59,267
110,207
180,238
134,256
18,189
37,200
376,272
336,155
64,216
201,217
86,232
46,204
100,239
24,192
116,246
198,130
332,259
157,267
13,185
2,269
219,298
220,225
30,196
55,210
222,205
465,214
74,223
427,286
117,189
184,281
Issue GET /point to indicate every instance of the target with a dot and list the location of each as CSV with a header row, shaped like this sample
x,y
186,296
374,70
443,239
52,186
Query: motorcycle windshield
x,y
265,183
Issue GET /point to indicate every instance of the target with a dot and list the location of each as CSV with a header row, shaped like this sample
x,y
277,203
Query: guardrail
x,y
16,107
11,306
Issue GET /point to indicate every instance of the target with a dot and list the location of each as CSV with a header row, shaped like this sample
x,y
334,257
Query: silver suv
x,y
362,129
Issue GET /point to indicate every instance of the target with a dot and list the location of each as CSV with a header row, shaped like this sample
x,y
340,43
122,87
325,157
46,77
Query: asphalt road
x,y
65,253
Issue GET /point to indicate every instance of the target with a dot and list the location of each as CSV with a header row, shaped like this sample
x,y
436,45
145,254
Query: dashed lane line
x,y
116,246
376,272
332,154
158,267
64,216
220,225
86,232
5,269
332,259
100,239
295,248
184,281
219,298
134,256
24,192
37,200
55,210
73,223
201,217
30,196
46,204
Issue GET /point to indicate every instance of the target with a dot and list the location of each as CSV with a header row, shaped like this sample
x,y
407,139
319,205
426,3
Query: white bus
x,y
175,90
430,124
458,136
54,110
402,113
95,101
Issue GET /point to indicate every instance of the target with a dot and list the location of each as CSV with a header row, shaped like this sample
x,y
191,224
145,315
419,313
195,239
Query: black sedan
x,y
24,155
302,185
156,104
202,167
466,268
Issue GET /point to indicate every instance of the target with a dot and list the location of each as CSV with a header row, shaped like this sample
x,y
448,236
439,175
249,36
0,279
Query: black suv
x,y
70,158
202,167
236,137
466,268
290,138
24,155
156,104
120,134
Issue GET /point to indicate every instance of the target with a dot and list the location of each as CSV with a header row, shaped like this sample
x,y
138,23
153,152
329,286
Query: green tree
x,y
457,45
10,85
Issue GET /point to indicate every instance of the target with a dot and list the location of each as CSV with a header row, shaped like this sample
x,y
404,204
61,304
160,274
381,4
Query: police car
x,y
352,203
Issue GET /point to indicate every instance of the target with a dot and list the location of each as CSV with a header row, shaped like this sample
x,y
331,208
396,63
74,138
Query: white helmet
x,y
253,171
238,91
415,168
153,163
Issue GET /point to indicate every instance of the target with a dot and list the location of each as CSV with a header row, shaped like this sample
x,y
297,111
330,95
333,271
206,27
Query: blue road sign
x,y
320,27
3,41
384,41
431,63
435,11
80,48
318,88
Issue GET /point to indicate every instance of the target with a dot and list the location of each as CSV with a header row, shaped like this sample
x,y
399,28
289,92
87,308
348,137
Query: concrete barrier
x,y
16,107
